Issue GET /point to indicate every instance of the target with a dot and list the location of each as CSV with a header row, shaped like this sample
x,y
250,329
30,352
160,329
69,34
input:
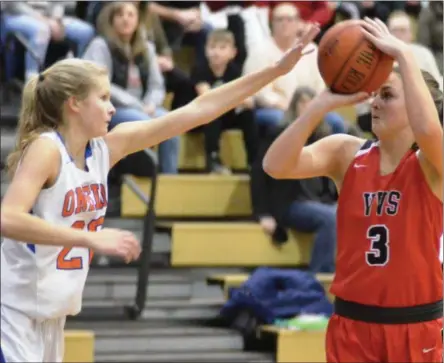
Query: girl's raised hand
x,y
292,56
377,32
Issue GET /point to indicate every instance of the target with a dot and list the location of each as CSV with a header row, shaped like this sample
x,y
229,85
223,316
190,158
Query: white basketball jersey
x,y
47,282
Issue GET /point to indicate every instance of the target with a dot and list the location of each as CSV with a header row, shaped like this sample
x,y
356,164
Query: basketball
x,y
349,63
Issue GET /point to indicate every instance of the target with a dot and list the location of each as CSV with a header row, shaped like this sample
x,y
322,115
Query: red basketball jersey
x,y
388,234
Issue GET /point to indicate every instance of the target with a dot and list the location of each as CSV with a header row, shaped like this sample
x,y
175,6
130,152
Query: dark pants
x,y
243,120
180,84
318,218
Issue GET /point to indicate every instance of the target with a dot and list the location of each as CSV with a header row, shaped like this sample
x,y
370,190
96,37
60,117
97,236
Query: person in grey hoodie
x,y
137,84
39,22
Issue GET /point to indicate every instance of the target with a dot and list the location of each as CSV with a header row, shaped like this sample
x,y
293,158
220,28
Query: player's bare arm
x,y
38,170
422,114
289,158
131,137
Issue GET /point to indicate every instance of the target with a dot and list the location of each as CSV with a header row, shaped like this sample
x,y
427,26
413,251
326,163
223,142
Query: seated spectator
x,y
303,205
137,86
219,69
430,30
399,24
273,100
183,24
41,22
374,9
310,11
177,81
301,98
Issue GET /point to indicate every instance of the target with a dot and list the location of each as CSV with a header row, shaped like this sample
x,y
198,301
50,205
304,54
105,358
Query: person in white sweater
x,y
275,98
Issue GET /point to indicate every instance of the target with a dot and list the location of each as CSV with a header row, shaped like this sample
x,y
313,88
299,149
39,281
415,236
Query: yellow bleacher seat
x,y
192,195
348,113
79,346
234,244
297,346
232,150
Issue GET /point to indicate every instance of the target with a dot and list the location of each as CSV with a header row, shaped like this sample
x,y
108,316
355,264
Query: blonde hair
x,y
44,96
221,35
106,29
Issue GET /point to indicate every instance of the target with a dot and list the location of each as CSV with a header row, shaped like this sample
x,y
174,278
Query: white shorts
x,y
25,340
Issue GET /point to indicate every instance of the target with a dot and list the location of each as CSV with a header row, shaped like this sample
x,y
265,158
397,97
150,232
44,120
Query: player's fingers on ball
x,y
382,26
369,36
370,28
370,24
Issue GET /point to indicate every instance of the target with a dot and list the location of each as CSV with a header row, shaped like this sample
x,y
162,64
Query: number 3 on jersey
x,y
379,253
64,262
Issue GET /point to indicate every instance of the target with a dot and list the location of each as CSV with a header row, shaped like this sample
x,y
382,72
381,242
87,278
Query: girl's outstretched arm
x,y
131,137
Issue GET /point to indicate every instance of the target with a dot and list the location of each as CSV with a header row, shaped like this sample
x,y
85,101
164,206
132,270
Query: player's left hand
x,y
292,56
377,32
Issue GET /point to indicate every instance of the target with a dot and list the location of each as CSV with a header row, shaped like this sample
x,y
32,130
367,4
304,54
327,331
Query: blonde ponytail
x,y
43,99
29,126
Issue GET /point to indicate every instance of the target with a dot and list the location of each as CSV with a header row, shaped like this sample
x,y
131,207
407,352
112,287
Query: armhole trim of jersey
x,y
62,161
366,147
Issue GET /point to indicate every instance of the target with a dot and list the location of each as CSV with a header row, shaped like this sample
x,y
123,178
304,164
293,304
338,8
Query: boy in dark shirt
x,y
220,50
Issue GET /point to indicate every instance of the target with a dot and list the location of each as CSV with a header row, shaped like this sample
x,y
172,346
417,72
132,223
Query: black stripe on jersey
x,y
367,145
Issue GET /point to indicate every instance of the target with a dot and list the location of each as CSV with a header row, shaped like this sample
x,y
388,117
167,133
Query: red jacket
x,y
312,11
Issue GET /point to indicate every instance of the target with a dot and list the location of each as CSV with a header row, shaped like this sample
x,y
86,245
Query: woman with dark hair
x,y
304,205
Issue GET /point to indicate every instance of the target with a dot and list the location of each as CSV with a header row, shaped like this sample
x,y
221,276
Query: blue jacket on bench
x,y
271,294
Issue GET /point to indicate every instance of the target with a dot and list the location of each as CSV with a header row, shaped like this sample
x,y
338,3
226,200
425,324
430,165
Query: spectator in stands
x,y
430,30
137,88
303,205
274,99
177,81
374,9
309,11
183,24
219,69
301,98
399,24
39,22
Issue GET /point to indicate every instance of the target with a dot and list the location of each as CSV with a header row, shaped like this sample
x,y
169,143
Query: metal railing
x,y
144,267
149,224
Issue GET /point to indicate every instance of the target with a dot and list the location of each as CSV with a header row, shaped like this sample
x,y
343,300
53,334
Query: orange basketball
x,y
349,63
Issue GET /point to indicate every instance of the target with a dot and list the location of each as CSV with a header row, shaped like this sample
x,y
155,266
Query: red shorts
x,y
355,341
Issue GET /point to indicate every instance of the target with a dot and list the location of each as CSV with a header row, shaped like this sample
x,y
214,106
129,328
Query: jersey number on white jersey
x,y
67,262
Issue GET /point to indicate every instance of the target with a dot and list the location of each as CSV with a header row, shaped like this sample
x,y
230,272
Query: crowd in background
x,y
137,42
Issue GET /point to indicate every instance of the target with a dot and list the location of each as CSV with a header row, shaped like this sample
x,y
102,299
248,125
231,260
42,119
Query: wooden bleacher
x,y
234,244
192,195
79,346
232,151
291,346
